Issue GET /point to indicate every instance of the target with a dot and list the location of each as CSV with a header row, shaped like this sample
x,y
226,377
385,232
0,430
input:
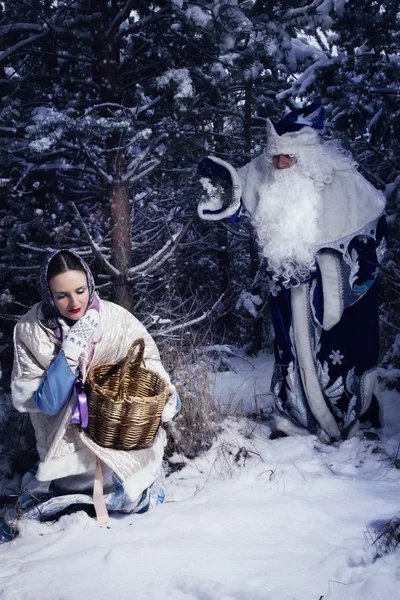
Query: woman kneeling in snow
x,y
70,332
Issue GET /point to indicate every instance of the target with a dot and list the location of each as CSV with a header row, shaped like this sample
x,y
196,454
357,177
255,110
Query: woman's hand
x,y
78,337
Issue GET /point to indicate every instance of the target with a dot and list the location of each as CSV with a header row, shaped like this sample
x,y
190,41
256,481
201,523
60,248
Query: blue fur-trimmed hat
x,y
313,115
297,129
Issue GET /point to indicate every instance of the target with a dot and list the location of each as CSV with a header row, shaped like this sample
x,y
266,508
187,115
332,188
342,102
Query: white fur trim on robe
x,y
316,401
331,279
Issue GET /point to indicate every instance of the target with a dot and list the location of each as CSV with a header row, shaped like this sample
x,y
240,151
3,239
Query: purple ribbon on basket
x,y
80,415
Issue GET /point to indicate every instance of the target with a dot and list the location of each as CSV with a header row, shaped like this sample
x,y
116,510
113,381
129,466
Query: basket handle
x,y
136,363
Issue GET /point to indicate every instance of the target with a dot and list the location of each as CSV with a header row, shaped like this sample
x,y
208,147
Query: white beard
x,y
286,223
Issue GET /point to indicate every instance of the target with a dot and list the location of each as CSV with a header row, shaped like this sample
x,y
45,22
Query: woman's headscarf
x,y
50,310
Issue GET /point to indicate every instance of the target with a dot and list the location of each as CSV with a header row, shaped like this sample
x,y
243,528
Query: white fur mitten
x,y
221,189
78,337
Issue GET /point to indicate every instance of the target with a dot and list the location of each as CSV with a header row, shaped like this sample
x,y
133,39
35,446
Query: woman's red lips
x,y
74,311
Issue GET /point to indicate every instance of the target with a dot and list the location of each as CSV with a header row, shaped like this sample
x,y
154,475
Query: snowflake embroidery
x,y
352,261
273,287
336,357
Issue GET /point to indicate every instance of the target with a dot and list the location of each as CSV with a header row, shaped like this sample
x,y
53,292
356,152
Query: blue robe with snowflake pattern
x,y
327,338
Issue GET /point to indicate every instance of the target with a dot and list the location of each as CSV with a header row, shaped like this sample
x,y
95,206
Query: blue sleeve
x,y
57,387
240,215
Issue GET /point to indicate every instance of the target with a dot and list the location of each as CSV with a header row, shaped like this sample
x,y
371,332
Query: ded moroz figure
x,y
321,227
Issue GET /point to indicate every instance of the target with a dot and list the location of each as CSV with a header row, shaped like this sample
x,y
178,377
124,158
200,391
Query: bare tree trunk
x,y
107,76
120,243
254,256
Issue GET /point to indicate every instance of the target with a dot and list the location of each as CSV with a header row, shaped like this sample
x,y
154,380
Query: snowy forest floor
x,y
252,519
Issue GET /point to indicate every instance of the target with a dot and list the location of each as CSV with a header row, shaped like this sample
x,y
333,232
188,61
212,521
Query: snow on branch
x,y
148,167
94,107
163,13
306,80
29,168
110,268
181,78
133,111
120,18
145,267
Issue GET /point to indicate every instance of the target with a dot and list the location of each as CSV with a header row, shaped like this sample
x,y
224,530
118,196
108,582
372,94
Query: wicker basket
x,y
125,402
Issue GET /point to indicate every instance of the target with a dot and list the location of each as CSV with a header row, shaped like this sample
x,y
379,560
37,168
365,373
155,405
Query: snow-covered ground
x,y
253,519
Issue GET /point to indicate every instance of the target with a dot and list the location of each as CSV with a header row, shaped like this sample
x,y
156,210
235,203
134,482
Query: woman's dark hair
x,y
61,262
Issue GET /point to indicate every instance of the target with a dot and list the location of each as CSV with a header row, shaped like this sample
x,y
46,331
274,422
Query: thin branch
x,y
236,232
4,55
152,165
47,250
181,326
13,318
139,109
105,176
105,105
382,320
161,255
110,268
6,29
137,161
375,150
